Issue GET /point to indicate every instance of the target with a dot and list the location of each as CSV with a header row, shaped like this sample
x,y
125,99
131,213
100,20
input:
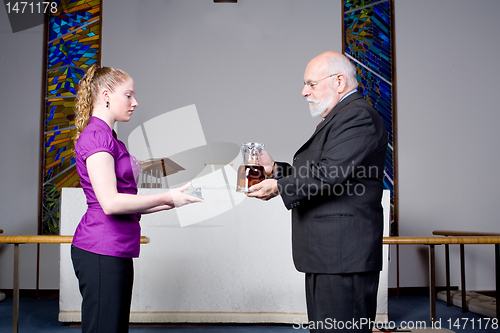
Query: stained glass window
x,y
73,44
368,42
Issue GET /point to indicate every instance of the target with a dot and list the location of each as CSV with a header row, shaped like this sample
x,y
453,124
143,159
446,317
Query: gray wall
x,y
245,62
21,57
241,64
448,135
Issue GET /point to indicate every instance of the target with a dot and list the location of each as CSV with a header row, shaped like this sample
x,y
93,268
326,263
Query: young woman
x,y
108,235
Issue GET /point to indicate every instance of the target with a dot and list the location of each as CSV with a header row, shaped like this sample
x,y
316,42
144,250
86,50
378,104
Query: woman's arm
x,y
156,209
101,169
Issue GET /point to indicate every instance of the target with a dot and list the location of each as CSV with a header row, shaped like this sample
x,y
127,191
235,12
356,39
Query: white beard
x,y
319,107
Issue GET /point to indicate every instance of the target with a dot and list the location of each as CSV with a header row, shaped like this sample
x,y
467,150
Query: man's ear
x,y
341,83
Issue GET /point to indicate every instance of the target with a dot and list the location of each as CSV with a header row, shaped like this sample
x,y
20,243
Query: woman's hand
x,y
180,198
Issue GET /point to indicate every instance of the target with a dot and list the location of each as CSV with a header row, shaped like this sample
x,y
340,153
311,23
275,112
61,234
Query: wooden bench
x,y
431,242
448,233
16,240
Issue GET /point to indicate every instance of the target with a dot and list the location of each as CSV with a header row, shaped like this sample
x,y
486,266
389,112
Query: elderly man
x,y
334,190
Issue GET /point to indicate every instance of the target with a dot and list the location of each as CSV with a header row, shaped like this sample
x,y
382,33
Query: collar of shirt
x,y
349,93
102,125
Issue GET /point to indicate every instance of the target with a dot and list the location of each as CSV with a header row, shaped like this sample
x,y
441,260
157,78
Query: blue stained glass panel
x,y
368,38
353,4
73,35
368,42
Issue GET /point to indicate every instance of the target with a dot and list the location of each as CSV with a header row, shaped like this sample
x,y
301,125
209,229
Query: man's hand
x,y
268,163
265,190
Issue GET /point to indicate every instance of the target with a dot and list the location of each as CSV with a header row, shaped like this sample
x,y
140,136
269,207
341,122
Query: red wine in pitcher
x,y
249,175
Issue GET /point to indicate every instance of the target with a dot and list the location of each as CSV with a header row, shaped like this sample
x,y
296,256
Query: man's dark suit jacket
x,y
335,189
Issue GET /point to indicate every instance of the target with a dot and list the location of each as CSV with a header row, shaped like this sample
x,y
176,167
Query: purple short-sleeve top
x,y
113,235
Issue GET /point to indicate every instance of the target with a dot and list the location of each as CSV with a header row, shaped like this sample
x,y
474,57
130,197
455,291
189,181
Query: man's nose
x,y
306,91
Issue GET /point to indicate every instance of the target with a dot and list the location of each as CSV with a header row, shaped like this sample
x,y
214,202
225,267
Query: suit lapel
x,y
330,117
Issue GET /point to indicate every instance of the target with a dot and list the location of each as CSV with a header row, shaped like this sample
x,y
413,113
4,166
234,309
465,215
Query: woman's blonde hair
x,y
91,84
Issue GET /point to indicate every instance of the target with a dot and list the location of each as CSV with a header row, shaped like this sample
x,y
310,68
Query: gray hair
x,y
339,63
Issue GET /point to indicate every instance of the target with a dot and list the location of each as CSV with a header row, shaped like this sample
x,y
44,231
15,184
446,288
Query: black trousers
x,y
106,287
341,302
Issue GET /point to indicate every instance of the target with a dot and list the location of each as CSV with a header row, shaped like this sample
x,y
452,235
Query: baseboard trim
x,y
201,317
33,293
415,291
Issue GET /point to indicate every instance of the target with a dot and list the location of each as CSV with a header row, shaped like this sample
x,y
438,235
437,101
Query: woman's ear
x,y
105,96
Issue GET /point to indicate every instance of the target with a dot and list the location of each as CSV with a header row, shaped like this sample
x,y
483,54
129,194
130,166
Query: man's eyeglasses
x,y
313,84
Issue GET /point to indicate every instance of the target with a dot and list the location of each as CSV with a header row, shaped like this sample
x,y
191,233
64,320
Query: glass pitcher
x,y
250,172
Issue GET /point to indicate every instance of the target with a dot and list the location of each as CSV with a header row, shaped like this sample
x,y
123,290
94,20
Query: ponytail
x,y
90,85
84,105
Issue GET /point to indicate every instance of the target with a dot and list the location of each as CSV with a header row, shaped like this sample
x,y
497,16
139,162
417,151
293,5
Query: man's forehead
x,y
314,71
